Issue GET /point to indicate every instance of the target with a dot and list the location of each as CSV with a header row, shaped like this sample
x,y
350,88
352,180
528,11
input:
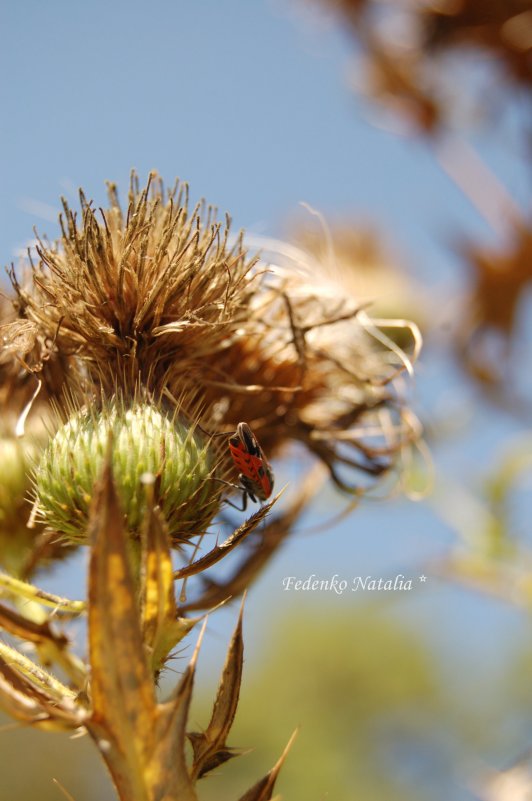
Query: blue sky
x,y
246,101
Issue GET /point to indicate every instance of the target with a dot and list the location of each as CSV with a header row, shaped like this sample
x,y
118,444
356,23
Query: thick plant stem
x,y
137,777
142,741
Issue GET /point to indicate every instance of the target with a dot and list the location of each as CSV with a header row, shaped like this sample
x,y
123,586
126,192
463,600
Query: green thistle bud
x,y
144,441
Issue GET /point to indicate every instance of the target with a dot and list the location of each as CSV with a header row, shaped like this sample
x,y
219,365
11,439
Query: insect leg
x,y
244,502
237,487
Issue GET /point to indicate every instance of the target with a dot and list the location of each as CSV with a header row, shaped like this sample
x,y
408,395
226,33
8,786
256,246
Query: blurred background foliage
x,y
380,716
423,695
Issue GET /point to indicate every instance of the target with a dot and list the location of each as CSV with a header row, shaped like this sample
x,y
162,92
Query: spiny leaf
x,y
227,546
215,759
21,626
271,537
51,647
263,790
162,627
122,689
169,759
38,678
17,703
209,746
13,588
22,696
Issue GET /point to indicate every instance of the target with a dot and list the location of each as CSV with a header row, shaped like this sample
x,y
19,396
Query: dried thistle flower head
x,y
167,300
358,257
135,299
146,444
348,408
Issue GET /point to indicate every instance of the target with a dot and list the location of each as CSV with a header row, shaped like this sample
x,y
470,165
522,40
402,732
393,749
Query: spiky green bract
x,y
144,441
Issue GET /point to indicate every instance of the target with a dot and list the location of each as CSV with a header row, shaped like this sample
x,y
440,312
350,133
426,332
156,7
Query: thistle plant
x,y
146,442
144,338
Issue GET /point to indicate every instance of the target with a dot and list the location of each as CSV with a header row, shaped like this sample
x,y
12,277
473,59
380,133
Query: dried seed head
x,y
166,299
145,442
367,268
125,299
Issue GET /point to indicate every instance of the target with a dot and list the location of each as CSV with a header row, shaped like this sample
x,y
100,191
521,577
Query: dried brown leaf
x,y
227,546
272,536
28,699
263,790
209,746
169,762
27,629
52,647
16,703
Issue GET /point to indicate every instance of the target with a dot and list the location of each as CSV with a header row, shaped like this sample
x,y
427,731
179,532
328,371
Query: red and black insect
x,y
256,475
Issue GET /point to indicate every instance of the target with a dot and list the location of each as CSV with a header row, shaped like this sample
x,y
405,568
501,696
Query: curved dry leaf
x,y
263,790
33,703
13,588
17,704
39,679
227,546
169,763
209,746
27,629
52,647
272,535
